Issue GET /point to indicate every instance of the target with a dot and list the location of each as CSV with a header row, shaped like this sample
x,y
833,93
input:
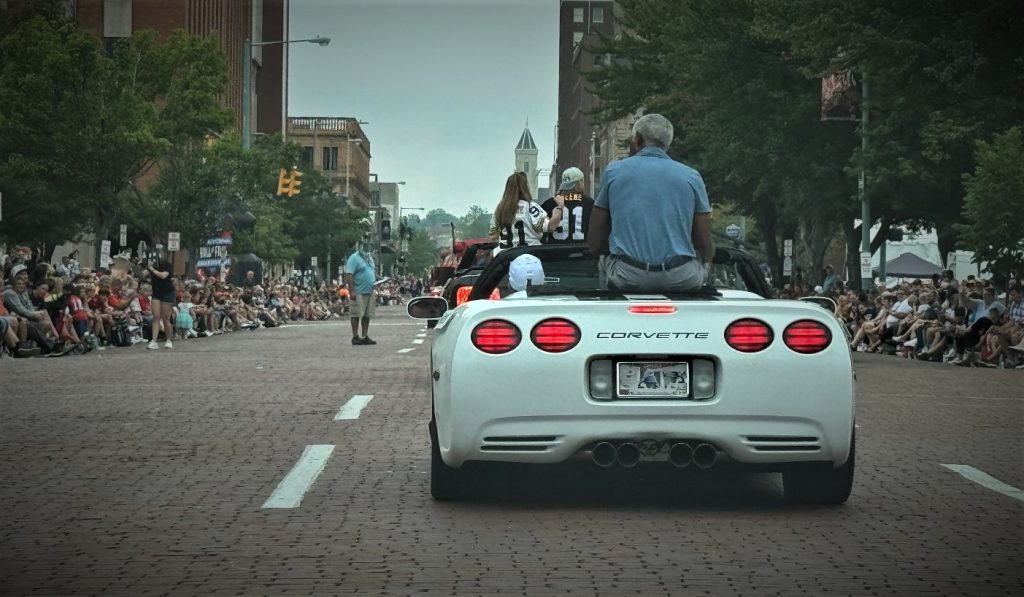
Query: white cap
x,y
570,177
523,269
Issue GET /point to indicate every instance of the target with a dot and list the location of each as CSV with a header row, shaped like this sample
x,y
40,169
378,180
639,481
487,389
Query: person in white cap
x,y
519,221
573,227
525,270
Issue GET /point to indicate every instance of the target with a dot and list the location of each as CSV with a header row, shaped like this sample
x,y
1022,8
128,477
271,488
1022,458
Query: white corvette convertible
x,y
702,379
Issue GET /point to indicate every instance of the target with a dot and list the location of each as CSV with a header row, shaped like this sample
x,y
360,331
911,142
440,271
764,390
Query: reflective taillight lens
x,y
496,336
555,335
462,295
749,335
652,309
807,337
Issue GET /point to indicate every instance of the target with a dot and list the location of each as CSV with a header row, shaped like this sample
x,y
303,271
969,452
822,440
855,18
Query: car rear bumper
x,y
761,440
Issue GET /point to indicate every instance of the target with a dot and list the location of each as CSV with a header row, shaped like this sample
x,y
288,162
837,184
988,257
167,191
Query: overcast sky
x,y
446,85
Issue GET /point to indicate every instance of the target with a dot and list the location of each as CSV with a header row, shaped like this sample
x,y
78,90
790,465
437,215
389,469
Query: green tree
x,y
421,253
84,126
994,227
476,223
437,217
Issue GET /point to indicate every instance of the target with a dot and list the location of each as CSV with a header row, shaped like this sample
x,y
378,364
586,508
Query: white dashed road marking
x,y
405,350
296,483
353,407
421,335
986,480
418,341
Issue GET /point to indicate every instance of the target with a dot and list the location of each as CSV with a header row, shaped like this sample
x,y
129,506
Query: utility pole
x,y
865,202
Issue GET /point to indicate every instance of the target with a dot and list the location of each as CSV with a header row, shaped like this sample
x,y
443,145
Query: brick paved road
x,y
133,473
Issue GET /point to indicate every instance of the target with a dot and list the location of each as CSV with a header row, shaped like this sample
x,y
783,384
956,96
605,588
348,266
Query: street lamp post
x,y
247,47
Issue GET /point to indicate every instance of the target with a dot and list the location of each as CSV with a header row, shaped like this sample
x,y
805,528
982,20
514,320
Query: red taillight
x,y
496,336
749,335
555,335
807,337
462,295
652,309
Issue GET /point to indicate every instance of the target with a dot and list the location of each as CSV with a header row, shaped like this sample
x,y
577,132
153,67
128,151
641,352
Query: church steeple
x,y
526,158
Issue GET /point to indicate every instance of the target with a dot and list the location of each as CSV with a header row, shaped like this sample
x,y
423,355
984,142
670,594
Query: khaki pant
x,y
627,278
364,307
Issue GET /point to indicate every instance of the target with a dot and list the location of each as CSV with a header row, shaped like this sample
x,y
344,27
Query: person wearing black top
x,y
576,213
163,301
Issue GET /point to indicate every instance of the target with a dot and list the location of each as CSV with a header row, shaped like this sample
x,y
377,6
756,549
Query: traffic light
x,y
293,190
282,182
385,231
288,182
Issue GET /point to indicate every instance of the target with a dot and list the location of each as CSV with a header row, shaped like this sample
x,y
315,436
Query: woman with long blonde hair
x,y
519,220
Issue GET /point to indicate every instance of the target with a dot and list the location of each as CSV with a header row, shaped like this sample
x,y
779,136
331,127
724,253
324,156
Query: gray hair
x,y
655,129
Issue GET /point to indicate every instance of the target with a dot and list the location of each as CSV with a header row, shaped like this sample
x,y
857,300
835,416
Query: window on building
x,y
598,59
577,37
306,161
526,167
577,15
330,161
597,16
117,18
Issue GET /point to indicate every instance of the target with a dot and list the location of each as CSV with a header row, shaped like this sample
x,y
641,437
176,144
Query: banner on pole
x,y
105,253
865,265
123,236
839,96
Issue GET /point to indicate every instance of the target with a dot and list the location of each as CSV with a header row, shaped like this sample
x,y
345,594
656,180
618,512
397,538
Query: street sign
x,y
865,265
312,261
732,231
787,266
787,247
173,241
123,237
105,253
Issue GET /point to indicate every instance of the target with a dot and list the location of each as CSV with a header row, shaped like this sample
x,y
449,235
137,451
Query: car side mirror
x,y
427,307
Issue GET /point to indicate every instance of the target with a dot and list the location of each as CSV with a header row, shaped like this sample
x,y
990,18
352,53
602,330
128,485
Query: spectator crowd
x,y
62,309
958,322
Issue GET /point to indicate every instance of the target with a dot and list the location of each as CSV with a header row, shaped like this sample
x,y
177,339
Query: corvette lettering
x,y
662,335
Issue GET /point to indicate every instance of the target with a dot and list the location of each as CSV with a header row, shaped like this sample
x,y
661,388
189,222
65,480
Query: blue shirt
x,y
652,200
362,271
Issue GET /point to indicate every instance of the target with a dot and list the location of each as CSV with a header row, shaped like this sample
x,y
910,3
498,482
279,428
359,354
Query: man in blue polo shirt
x,y
652,217
359,278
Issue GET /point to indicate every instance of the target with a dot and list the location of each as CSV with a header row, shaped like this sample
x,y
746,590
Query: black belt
x,y
672,263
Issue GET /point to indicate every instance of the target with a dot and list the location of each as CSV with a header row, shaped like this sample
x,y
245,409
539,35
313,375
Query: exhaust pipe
x,y
603,454
705,455
628,455
680,455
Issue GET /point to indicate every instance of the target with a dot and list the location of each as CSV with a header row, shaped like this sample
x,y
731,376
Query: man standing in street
x,y
652,217
360,277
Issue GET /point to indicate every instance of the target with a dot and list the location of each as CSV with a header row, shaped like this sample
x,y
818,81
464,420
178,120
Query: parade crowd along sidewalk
x,y
967,322
62,310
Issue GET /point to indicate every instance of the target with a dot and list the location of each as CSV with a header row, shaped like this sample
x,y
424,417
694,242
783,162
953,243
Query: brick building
x,y
232,21
338,147
582,142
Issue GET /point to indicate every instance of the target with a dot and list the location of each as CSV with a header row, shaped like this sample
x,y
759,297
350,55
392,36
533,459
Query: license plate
x,y
639,379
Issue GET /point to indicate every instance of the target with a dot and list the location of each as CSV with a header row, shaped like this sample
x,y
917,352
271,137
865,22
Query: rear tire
x,y
819,485
447,484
